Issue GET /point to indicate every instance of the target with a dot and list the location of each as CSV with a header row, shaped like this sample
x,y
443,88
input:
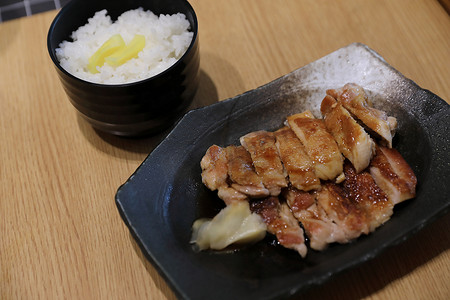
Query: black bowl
x,y
133,109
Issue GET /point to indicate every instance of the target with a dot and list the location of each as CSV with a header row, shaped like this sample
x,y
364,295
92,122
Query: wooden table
x,y
61,235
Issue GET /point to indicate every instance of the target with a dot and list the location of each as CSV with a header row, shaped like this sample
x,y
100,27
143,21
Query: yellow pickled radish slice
x,y
112,45
130,51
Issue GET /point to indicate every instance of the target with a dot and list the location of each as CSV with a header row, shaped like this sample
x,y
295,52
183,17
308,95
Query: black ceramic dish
x,y
165,195
133,109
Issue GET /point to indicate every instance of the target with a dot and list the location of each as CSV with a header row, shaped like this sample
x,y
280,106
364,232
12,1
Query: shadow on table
x,y
157,278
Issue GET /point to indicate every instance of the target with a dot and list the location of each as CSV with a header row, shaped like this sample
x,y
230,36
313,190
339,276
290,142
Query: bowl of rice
x,y
130,68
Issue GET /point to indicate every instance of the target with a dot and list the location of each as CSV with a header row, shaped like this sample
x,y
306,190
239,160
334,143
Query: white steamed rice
x,y
167,38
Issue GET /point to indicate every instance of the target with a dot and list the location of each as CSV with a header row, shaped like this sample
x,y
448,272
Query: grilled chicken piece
x,y
242,173
296,162
266,160
354,99
393,175
215,174
281,223
362,190
214,168
354,143
319,144
342,211
320,229
230,195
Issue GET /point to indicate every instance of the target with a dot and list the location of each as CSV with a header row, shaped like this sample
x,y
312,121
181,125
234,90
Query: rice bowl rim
x,y
55,60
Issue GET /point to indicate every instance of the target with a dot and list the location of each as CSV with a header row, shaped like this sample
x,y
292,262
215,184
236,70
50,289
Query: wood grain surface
x,y
61,236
